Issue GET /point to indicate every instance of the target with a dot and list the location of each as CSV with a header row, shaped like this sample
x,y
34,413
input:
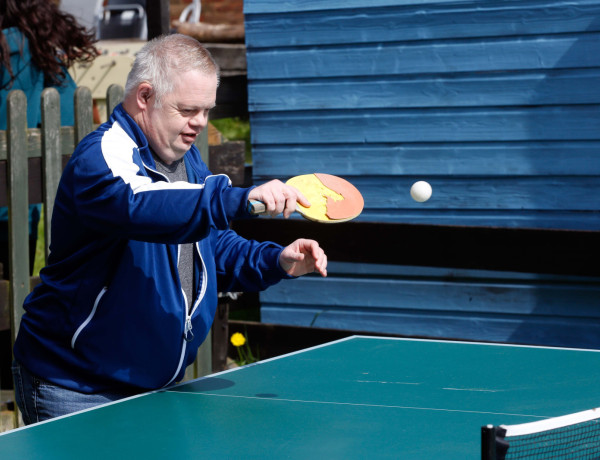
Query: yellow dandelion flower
x,y
238,339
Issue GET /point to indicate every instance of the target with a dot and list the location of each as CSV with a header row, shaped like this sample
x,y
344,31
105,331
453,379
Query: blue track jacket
x,y
110,313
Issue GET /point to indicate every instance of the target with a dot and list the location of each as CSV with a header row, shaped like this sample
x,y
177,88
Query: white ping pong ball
x,y
421,191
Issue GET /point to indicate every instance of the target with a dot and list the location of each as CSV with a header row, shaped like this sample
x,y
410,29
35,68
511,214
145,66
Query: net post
x,y
488,442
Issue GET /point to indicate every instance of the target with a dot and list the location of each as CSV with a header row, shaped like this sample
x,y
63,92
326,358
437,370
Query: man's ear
x,y
144,94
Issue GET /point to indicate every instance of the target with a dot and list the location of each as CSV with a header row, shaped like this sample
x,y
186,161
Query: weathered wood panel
x,y
413,59
473,158
438,302
528,88
18,253
574,122
495,103
407,90
311,22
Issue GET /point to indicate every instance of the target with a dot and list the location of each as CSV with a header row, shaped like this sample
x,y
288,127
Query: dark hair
x,y
55,38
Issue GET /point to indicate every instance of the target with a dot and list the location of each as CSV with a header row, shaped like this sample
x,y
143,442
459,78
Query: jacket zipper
x,y
188,335
89,318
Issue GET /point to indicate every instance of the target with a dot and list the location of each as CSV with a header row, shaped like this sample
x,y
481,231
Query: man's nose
x,y
200,119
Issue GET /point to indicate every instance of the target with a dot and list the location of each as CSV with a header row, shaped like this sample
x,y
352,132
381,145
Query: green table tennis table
x,y
356,398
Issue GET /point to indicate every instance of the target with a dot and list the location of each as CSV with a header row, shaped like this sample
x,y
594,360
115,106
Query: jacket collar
x,y
135,132
195,167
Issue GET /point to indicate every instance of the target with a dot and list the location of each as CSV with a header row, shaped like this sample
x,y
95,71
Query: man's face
x,y
172,128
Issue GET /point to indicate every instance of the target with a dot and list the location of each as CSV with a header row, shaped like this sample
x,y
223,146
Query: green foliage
x,y
40,249
236,129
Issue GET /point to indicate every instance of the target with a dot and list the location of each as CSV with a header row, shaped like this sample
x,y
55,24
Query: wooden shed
x,y
496,104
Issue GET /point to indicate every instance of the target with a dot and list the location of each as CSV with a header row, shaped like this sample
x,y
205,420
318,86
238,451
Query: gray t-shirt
x,y
176,172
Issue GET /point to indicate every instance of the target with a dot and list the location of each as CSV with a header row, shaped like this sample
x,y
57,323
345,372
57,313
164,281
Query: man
x,y
141,245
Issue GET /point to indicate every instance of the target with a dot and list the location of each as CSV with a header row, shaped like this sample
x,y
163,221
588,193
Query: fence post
x,y
203,363
84,117
51,156
114,95
18,205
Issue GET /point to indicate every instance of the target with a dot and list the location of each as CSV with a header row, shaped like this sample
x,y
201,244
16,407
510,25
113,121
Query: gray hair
x,y
163,58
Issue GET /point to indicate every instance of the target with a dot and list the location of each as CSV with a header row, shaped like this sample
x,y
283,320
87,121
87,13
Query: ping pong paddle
x,y
333,199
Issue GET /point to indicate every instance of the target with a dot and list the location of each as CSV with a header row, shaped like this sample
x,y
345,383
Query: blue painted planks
x,y
560,123
262,6
460,193
460,159
500,94
493,54
438,302
532,11
487,218
495,103
439,294
397,23
455,90
547,331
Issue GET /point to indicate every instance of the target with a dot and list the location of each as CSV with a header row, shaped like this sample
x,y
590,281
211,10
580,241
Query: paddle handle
x,y
256,207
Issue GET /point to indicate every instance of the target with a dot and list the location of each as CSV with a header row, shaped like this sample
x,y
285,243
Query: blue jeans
x,y
39,400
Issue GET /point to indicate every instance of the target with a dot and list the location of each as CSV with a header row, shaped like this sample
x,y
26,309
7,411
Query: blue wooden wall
x,y
494,306
495,103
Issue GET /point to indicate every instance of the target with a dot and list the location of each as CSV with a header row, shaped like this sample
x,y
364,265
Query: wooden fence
x,y
31,162
47,150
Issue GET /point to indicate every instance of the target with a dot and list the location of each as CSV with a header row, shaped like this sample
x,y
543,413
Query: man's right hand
x,y
278,198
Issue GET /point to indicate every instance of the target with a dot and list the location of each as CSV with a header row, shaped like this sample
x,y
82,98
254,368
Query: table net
x,y
573,436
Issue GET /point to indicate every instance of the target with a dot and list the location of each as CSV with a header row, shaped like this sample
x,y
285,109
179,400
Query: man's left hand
x,y
302,257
